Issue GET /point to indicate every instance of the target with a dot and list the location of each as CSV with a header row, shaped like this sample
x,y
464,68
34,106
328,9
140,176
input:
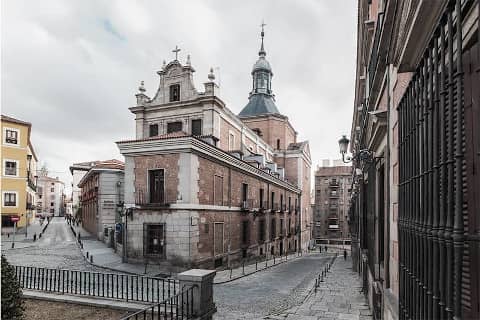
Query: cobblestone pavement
x,y
338,297
271,291
56,249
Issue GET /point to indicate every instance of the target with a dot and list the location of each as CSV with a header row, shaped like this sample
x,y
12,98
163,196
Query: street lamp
x,y
363,155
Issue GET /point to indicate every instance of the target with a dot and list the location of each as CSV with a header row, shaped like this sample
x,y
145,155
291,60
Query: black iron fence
x,y
106,285
179,306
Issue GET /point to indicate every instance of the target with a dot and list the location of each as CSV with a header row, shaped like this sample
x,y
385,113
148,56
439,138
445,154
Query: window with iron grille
x,y
157,186
245,229
154,239
273,229
174,126
11,136
174,92
9,199
197,127
153,130
218,190
261,230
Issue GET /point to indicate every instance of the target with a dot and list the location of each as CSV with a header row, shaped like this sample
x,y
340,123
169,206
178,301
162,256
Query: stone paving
x,y
338,297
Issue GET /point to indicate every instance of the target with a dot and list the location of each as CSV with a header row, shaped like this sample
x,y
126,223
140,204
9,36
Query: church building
x,y
207,188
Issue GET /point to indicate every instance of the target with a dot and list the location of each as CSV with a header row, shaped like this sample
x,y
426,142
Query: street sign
x,y
15,218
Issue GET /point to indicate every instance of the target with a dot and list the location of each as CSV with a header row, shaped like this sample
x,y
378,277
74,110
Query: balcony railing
x,y
275,207
31,206
283,208
247,204
263,206
333,195
334,184
31,184
142,198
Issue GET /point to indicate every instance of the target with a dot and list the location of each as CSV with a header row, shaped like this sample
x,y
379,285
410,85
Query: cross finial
x,y
176,50
262,50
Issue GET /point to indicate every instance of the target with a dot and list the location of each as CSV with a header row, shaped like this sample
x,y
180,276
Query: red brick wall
x,y
169,162
225,129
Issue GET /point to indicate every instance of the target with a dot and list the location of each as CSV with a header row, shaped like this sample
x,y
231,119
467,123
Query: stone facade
x,y
207,188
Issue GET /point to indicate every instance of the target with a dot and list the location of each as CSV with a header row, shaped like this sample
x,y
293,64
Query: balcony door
x,y
156,179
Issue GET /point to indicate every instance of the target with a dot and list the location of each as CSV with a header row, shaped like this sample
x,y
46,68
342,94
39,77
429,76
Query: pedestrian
x,y
35,237
320,248
326,248
345,254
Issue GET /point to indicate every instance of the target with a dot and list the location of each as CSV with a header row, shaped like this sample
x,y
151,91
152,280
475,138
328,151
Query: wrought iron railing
x,y
247,204
106,285
179,306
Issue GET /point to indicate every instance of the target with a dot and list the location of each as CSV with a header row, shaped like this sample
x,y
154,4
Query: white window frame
x,y
5,167
16,199
5,137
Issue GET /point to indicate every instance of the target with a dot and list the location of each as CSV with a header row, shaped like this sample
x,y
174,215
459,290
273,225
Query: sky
x,y
72,68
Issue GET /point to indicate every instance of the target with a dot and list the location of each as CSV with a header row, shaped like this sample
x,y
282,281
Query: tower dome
x,y
261,99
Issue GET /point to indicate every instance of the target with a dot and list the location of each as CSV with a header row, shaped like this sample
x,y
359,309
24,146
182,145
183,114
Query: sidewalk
x,y
23,236
338,297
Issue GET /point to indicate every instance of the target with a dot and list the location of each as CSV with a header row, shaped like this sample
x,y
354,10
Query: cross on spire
x,y
176,50
262,50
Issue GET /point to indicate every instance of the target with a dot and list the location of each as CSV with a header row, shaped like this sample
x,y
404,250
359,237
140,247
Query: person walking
x,y
344,254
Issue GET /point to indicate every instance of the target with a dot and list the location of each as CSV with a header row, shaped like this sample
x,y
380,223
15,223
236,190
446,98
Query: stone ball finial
x,y
142,87
211,76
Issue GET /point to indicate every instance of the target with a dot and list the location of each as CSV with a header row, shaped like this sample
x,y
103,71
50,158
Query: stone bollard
x,y
202,281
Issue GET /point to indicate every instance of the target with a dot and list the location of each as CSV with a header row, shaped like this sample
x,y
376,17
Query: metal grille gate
x,y
438,250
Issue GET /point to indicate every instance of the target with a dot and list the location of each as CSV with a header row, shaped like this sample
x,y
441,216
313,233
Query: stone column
x,y
202,281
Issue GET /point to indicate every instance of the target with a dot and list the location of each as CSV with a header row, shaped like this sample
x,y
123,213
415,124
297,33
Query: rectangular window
x,y
218,191
154,239
9,199
153,130
261,231
231,142
273,229
218,238
156,180
174,92
281,201
244,191
174,126
52,210
52,189
11,136
52,204
262,205
272,200
245,232
11,168
197,127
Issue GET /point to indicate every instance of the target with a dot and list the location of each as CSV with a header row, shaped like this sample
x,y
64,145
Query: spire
x,y
262,52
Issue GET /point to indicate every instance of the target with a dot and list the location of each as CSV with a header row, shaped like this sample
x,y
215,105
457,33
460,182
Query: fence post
x,y
202,281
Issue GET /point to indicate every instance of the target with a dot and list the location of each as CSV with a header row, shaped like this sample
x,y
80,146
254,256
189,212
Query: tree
x,y
12,303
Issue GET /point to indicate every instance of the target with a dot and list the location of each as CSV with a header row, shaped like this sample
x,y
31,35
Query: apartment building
x,y
50,195
18,167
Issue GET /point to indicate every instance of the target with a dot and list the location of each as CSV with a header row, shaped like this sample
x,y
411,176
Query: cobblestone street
x,y
56,249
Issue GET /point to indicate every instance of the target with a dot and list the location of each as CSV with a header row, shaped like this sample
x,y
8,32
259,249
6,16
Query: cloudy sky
x,y
71,68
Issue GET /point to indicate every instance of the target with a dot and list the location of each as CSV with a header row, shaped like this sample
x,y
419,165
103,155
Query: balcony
x,y
142,199
263,206
275,208
333,195
247,205
31,184
31,206
334,184
283,208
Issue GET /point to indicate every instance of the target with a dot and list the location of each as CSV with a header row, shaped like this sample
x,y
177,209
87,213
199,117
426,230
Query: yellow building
x,y
18,170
